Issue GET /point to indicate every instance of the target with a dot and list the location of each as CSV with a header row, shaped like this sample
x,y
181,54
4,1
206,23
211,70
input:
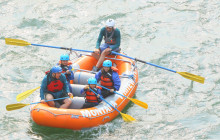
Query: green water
x,y
183,35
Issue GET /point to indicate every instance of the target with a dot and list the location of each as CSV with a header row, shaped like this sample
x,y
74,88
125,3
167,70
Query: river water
x,y
183,35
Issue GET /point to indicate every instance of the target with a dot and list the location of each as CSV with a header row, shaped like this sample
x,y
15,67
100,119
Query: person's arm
x,y
43,88
84,89
101,34
72,78
118,39
116,80
98,76
98,94
65,85
99,91
71,73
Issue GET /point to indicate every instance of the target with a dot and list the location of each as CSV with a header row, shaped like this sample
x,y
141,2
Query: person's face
x,y
92,85
57,75
64,62
106,69
109,29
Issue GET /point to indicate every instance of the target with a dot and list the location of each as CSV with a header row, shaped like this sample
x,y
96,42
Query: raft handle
x,y
105,118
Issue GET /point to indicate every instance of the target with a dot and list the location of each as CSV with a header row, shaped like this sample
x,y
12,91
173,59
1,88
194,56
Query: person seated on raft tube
x,y
53,86
109,78
112,38
65,64
91,98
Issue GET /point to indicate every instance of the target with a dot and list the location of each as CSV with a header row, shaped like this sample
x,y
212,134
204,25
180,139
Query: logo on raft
x,y
128,87
99,111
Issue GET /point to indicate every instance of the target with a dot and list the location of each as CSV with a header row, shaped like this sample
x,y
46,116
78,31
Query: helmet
x,y
56,69
64,57
110,23
92,80
107,63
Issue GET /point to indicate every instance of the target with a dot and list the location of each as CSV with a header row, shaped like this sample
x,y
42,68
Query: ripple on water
x,y
34,23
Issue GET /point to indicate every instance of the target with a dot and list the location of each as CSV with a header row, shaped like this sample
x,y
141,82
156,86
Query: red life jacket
x,y
54,86
90,96
106,79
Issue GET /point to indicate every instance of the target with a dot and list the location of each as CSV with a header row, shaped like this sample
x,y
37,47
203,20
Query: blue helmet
x,y
56,69
92,80
107,63
64,57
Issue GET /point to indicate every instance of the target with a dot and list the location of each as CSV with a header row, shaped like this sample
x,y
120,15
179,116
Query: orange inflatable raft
x,y
76,118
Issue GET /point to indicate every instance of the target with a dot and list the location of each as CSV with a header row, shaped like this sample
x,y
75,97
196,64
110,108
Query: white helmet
x,y
110,23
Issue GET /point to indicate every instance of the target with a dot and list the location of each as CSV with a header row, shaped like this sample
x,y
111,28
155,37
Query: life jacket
x,y
55,85
92,97
106,78
109,39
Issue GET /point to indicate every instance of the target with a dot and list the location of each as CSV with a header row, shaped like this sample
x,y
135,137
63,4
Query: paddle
x,y
137,102
21,105
186,75
17,42
25,94
125,117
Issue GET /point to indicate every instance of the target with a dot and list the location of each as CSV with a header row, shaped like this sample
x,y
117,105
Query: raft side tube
x,y
82,77
76,88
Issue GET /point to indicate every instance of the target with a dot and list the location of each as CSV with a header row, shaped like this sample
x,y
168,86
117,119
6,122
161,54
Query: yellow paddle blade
x,y
17,42
25,94
138,102
127,117
192,77
15,106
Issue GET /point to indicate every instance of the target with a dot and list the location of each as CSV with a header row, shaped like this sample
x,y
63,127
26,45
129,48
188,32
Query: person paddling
x,y
91,98
112,38
108,78
53,86
65,64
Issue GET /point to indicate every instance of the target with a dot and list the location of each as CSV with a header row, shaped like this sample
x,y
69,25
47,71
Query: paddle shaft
x,y
61,48
104,100
50,100
114,91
